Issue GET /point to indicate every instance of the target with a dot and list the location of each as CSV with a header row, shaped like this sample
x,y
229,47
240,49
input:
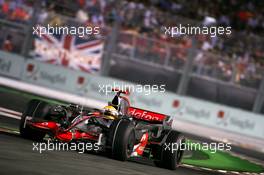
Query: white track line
x,y
10,115
9,111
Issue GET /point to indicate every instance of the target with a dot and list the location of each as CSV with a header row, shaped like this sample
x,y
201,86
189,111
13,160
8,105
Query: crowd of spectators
x,y
18,11
242,51
246,16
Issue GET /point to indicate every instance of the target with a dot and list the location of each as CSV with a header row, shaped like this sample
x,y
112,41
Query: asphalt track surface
x,y
17,157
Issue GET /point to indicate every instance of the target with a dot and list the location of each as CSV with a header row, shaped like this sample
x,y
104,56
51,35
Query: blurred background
x,y
132,44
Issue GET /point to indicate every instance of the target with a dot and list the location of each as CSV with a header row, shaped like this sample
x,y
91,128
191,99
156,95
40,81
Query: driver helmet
x,y
110,112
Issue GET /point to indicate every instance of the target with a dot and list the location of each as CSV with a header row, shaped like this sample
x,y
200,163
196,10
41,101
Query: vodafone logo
x,y
146,115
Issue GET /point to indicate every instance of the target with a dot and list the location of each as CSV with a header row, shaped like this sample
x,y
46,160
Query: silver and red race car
x,y
119,129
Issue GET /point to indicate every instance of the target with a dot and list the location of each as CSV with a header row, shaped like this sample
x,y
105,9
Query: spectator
x,y
5,8
8,45
19,14
43,15
82,16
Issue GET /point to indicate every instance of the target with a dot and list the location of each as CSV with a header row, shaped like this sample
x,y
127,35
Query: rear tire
x,y
123,140
38,110
171,159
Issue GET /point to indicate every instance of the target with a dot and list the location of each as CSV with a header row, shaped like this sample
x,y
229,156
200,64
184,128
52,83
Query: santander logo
x,y
146,115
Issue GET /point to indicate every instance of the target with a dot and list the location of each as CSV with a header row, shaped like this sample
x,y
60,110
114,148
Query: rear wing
x,y
141,114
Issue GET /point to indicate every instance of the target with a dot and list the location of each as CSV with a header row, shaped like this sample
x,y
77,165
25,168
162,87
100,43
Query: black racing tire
x,y
123,139
38,110
171,159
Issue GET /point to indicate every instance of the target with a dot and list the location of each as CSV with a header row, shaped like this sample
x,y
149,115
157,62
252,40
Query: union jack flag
x,y
70,51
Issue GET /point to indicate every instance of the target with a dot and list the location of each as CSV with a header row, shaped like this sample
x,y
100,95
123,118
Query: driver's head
x,y
110,112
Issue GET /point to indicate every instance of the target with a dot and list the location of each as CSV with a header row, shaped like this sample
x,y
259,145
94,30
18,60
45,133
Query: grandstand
x,y
223,69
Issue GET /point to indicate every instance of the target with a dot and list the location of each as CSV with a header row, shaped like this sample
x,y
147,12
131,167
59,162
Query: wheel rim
x,y
130,144
179,154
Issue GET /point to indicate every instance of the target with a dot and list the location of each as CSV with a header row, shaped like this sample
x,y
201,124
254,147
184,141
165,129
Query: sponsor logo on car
x,y
146,115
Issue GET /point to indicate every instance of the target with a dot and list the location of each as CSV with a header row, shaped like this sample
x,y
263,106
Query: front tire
x,y
37,110
170,158
123,140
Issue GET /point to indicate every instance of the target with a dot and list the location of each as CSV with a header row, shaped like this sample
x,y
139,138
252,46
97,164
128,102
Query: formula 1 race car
x,y
118,129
